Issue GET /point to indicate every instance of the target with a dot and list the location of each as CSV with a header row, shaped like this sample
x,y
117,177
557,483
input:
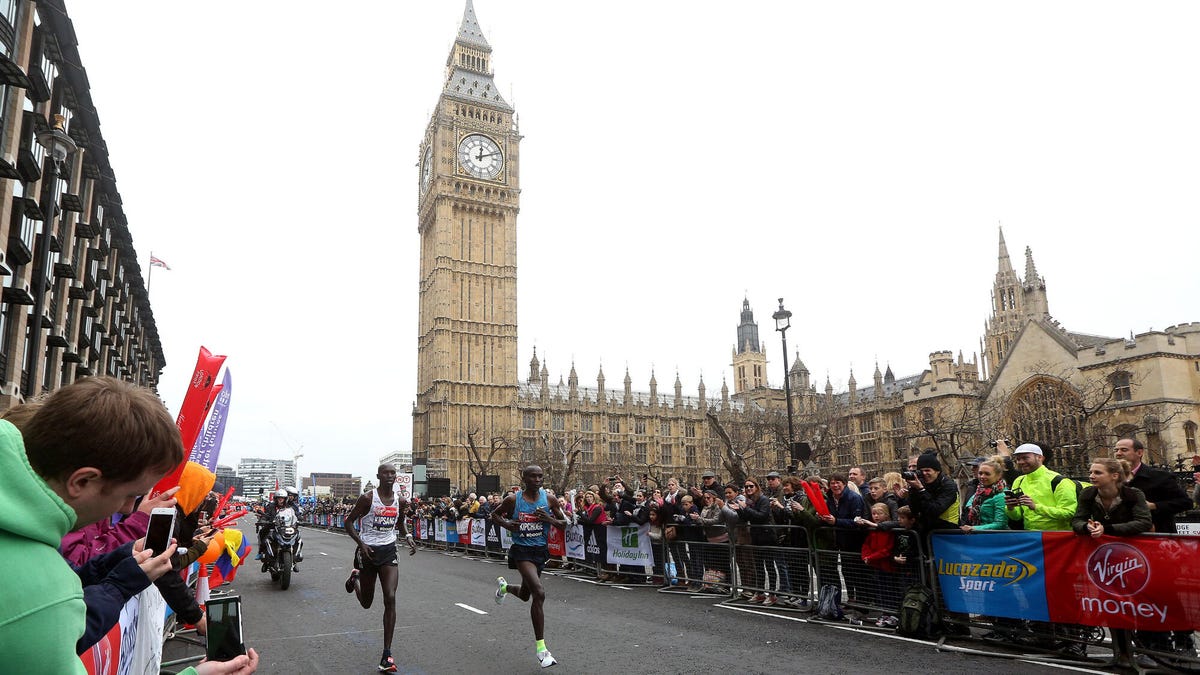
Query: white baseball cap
x,y
1030,448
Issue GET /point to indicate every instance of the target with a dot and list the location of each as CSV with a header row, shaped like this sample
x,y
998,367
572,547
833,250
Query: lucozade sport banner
x,y
1143,583
191,412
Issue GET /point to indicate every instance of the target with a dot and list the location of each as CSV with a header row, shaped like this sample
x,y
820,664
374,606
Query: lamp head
x,y
56,141
783,318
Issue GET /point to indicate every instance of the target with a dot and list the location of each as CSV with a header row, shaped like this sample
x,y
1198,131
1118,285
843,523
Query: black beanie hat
x,y
929,460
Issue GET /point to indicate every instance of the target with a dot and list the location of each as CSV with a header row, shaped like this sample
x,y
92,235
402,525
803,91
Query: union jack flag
x,y
156,262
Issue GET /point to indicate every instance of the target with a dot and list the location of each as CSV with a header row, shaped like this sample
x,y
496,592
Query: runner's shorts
x,y
538,555
381,556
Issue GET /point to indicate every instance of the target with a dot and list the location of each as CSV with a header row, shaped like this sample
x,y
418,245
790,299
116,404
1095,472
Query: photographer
x,y
933,496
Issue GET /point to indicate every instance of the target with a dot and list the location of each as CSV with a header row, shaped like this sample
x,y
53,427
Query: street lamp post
x,y
783,321
59,145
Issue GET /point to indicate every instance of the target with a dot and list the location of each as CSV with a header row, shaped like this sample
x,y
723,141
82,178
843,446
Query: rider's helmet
x,y
281,494
292,492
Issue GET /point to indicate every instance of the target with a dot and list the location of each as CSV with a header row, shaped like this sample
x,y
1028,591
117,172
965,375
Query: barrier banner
x,y
554,542
191,411
145,654
208,445
428,525
1144,583
493,536
479,533
505,538
629,545
439,530
574,542
464,531
594,544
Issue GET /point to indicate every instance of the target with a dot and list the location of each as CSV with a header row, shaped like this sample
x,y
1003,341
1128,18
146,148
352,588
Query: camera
x,y
908,475
792,470
612,479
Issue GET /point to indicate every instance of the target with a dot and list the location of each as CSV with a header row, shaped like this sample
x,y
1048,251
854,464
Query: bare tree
x,y
825,425
750,443
479,465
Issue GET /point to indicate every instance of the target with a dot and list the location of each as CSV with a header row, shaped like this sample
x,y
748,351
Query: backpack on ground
x,y
829,602
918,613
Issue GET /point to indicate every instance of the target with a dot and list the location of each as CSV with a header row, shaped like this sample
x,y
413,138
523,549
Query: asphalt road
x,y
448,622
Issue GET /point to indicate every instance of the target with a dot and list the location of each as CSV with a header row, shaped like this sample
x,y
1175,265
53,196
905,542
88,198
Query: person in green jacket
x,y
94,447
985,508
1034,501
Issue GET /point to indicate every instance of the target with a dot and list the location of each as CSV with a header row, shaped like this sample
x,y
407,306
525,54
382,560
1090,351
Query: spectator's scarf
x,y
982,494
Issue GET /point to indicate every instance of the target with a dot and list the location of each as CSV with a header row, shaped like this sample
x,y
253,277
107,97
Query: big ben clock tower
x,y
467,220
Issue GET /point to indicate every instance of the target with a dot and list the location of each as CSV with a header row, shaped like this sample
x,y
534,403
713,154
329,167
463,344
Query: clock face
x,y
427,170
479,156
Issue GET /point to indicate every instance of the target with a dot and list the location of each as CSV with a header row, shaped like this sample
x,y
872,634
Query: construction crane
x,y
297,455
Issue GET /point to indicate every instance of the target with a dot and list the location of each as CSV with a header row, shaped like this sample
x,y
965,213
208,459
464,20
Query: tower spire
x,y
470,32
1005,262
1031,275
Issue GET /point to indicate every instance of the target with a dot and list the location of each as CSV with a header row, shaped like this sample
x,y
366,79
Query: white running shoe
x,y
502,590
545,658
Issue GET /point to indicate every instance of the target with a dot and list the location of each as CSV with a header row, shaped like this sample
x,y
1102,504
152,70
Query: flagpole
x,y
149,274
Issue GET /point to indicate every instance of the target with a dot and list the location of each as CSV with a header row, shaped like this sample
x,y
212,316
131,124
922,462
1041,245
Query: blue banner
x,y
1001,574
208,444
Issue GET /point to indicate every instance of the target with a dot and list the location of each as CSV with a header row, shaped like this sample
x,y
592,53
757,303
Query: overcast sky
x,y
855,158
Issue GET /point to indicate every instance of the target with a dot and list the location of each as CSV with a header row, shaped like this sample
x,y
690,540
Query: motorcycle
x,y
283,549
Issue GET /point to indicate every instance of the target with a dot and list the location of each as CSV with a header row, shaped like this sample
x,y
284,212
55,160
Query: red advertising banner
x,y
191,413
1144,583
557,543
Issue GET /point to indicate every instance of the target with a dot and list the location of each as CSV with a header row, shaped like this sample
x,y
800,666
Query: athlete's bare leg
x,y
531,587
389,578
364,587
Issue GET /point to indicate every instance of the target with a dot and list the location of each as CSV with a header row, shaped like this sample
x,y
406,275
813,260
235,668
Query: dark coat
x,y
849,536
929,504
758,512
109,581
1168,496
1130,517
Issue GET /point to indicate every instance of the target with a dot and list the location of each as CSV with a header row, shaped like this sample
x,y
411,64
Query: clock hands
x,y
480,156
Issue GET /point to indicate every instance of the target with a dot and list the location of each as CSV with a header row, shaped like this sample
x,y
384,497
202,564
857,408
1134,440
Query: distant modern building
x,y
402,459
335,485
229,478
262,475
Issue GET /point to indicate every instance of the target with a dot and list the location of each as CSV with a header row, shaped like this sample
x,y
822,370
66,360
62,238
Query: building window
x,y
689,429
664,428
842,428
585,423
927,419
1189,434
614,452
690,456
639,426
587,453
870,452
665,453
528,420
558,422
900,448
866,424
614,425
639,453
1122,387
898,420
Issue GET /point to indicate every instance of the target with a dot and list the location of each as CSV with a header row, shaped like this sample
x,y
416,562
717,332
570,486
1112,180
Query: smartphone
x,y
224,628
158,533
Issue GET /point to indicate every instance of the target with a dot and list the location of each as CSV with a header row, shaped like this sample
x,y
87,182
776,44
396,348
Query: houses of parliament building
x,y
1034,380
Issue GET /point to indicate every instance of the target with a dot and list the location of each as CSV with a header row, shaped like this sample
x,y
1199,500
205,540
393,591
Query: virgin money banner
x,y
464,531
574,542
629,545
1146,583
191,412
555,542
208,445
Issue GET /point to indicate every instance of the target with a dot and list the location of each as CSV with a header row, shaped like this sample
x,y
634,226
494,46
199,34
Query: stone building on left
x,y
74,300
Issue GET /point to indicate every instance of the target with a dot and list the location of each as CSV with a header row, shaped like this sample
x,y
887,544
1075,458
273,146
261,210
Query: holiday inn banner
x,y
1144,583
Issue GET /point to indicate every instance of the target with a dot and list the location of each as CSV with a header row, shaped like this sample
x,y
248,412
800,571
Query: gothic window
x,y
614,452
528,420
690,429
1189,435
664,428
898,420
866,424
690,455
585,423
927,418
1122,387
843,427
870,452
639,426
665,452
614,425
639,453
558,422
586,453
1044,410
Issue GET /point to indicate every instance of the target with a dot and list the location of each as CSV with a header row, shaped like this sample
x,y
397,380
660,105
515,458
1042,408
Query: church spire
x,y
470,32
1005,262
1031,276
469,65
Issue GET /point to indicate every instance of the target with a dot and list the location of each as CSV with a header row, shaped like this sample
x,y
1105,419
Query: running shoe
x,y
758,598
350,581
387,664
502,590
545,658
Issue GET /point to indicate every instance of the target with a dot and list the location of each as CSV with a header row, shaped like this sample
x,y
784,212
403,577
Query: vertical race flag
x,y
208,445
191,412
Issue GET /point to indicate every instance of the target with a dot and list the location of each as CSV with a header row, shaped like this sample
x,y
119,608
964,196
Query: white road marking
x,y
322,553
776,616
623,588
470,608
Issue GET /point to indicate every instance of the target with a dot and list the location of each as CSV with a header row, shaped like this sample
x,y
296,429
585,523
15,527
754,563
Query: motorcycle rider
x,y
267,522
